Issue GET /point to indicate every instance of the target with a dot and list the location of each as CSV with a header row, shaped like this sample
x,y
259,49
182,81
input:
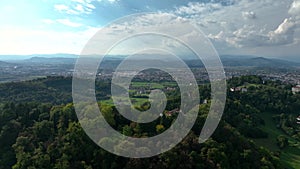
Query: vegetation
x,y
39,129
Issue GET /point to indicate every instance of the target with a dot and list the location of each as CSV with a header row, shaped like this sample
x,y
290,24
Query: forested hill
x,y
39,129
55,90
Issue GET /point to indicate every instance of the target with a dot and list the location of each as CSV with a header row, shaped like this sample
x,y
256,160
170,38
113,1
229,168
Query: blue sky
x,y
240,27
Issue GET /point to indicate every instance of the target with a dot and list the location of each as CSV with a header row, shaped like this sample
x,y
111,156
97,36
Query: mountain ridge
x,y
227,60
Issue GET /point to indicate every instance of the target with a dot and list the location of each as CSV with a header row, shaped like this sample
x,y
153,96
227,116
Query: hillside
x,y
5,64
113,61
52,60
254,61
39,130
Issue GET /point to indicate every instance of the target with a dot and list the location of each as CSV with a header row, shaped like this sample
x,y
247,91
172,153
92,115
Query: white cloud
x,y
35,41
249,15
246,36
90,6
61,7
195,8
76,7
284,34
48,21
224,24
113,1
66,9
246,25
161,23
67,22
285,27
79,8
79,1
295,8
249,36
218,37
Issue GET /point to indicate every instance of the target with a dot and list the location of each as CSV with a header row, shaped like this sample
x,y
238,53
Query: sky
x,y
235,27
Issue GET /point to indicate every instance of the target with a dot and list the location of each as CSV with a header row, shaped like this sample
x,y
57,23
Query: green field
x,y
153,85
148,85
290,156
134,101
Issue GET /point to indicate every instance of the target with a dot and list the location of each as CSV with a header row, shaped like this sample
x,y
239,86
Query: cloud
x,y
234,27
79,1
145,23
196,8
76,7
249,36
90,6
240,25
155,26
246,36
66,9
48,21
249,15
224,24
67,22
284,34
218,37
295,7
79,8
22,41
61,7
113,1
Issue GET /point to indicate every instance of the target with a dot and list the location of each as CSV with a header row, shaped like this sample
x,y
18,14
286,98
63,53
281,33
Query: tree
x,y
127,131
108,114
282,141
160,128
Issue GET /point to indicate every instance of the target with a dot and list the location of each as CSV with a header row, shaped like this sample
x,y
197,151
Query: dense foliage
x,y
41,130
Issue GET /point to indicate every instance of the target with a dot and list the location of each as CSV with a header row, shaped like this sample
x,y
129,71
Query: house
x,y
296,89
170,88
172,112
298,120
238,89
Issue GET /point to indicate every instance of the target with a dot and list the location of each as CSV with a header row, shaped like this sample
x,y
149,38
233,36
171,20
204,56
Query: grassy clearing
x,y
134,101
153,85
140,101
290,156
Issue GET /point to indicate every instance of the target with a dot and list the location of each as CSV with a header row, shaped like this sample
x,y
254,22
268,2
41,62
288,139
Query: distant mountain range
x,y
249,61
23,57
255,61
5,64
227,60
52,60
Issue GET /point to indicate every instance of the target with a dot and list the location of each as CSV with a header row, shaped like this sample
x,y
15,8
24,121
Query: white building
x,y
296,89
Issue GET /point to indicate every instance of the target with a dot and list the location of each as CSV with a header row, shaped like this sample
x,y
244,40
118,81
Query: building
x,y
172,112
239,89
298,120
296,89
